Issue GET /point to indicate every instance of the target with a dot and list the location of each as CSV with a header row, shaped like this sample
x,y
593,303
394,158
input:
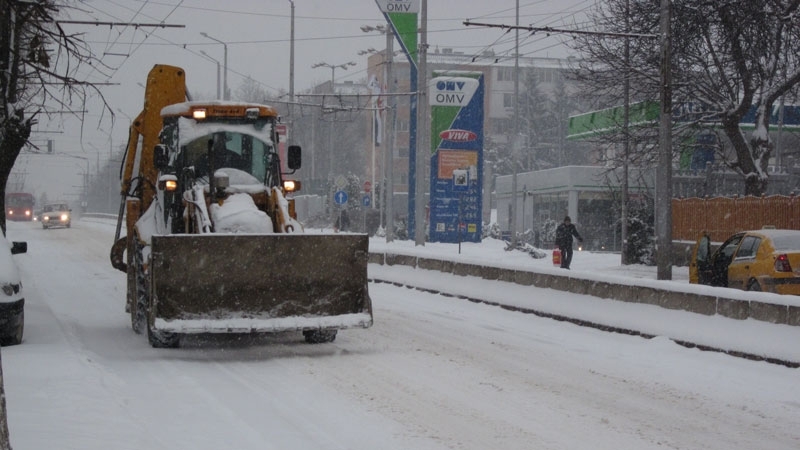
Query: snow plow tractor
x,y
212,243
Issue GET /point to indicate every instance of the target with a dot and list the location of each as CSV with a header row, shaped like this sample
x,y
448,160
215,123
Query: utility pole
x,y
291,69
423,125
515,141
388,127
664,170
627,143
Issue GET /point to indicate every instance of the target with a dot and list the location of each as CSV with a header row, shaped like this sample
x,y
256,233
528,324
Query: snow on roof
x,y
186,107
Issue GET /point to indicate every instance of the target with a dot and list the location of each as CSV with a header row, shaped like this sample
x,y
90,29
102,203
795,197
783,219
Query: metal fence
x,y
724,216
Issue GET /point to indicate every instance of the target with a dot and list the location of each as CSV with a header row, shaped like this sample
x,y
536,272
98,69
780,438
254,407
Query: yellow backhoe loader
x,y
212,243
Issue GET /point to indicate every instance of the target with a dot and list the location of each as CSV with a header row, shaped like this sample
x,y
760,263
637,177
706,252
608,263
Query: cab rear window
x,y
787,242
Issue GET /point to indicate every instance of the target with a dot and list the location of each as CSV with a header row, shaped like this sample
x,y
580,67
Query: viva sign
x,y
456,99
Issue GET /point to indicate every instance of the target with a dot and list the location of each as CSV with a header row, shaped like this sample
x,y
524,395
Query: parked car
x,y
757,260
56,215
12,300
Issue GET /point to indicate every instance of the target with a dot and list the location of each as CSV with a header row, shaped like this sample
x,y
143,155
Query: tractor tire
x,y
138,307
16,337
162,339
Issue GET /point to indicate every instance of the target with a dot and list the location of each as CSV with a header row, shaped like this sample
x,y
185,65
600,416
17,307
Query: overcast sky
x,y
257,35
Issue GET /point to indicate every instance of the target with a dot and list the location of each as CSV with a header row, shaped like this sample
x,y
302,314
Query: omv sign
x,y
458,135
452,91
398,6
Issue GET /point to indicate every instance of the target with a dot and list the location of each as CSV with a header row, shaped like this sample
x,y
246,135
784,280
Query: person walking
x,y
564,233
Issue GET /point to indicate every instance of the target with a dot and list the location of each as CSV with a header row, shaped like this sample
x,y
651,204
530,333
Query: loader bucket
x,y
220,283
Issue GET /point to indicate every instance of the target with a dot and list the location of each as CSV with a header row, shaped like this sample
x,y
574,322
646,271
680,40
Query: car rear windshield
x,y
787,242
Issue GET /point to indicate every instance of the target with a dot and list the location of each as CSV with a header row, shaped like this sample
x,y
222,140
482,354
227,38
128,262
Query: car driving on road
x,y
56,215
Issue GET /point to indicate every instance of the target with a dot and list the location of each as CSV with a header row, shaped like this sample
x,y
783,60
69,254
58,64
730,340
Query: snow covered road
x,y
432,373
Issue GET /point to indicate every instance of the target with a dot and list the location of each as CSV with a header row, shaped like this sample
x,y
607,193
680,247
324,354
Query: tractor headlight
x,y
291,185
168,183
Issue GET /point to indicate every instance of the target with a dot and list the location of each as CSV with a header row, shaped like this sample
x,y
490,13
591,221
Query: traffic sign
x,y
367,186
341,181
340,197
366,200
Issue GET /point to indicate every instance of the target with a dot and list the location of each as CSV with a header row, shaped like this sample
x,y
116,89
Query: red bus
x,y
19,206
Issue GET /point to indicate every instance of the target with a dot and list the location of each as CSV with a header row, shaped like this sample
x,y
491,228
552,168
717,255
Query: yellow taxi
x,y
757,260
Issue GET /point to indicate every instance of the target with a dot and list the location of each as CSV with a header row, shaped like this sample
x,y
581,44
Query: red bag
x,y
557,257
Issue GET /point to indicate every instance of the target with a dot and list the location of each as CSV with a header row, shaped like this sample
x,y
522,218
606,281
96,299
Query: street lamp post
x,y
212,59
333,68
85,201
225,95
388,148
291,65
388,152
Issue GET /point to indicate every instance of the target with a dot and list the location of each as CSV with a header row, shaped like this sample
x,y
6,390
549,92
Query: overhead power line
x,y
561,31
120,24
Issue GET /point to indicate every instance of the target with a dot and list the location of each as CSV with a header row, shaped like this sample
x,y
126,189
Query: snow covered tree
x,y
546,100
536,116
730,58
251,91
38,60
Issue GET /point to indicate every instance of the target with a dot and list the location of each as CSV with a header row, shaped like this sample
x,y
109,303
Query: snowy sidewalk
x,y
749,338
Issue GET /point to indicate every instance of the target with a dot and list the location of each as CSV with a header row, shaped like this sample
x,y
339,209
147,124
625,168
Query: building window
x,y
546,75
508,100
505,74
502,126
402,152
402,125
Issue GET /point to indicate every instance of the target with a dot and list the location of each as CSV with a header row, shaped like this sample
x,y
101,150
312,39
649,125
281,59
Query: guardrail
x,y
730,306
94,215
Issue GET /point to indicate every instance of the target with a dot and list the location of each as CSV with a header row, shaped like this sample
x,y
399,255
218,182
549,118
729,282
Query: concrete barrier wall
x,y
696,303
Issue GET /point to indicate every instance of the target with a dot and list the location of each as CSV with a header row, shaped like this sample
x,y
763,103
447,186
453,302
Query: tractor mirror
x,y
293,157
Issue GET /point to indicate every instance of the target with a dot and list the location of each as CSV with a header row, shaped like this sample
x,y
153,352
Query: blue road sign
x,y
340,197
366,200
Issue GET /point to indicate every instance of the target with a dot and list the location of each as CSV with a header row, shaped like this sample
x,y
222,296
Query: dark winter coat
x,y
564,233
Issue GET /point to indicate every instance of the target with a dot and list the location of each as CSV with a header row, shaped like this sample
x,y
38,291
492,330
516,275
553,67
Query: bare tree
x,y
38,61
731,58
251,91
